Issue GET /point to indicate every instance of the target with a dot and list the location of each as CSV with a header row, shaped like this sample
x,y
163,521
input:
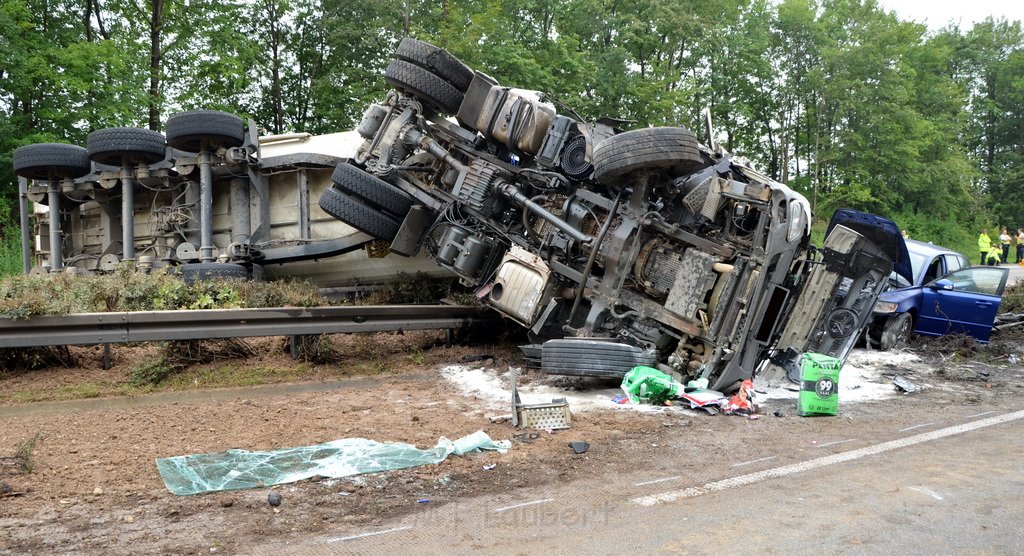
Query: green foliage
x,y
23,458
10,255
127,289
413,289
838,97
29,359
177,356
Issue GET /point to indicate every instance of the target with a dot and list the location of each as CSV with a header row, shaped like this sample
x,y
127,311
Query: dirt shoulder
x,y
95,488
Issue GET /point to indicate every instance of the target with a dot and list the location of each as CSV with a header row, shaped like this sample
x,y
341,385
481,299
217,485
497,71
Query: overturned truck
x,y
209,197
614,248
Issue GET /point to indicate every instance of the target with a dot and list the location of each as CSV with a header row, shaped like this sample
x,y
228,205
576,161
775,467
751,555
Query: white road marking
x,y
657,481
827,444
927,491
370,534
916,427
979,415
833,459
753,461
506,508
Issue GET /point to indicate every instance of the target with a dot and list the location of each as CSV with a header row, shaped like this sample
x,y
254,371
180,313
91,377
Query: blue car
x,y
947,296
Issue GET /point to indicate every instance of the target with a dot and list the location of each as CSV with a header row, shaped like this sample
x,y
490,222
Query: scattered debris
x,y
904,385
490,467
476,358
742,403
779,413
423,501
97,491
704,399
579,447
274,499
548,416
697,384
525,436
651,386
238,469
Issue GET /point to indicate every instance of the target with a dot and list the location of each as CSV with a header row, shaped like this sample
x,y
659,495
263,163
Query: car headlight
x,y
885,307
799,221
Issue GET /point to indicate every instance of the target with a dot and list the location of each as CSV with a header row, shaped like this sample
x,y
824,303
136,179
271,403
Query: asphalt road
x,y
935,488
1016,273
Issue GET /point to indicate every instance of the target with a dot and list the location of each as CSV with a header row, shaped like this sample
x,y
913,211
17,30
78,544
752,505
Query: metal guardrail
x,y
148,326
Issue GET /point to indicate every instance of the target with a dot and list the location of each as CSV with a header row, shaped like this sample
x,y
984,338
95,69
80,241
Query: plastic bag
x,y
647,385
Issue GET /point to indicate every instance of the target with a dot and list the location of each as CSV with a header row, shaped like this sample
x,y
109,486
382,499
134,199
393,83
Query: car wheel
x,y
186,131
359,215
424,85
439,61
674,149
371,189
895,332
35,162
111,145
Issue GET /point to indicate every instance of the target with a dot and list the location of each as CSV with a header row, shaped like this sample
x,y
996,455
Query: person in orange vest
x,y
984,244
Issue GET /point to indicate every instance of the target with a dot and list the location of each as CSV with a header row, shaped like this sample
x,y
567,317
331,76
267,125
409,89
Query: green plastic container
x,y
819,385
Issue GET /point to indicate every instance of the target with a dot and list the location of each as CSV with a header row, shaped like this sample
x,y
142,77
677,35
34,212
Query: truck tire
x,y
35,162
674,149
197,272
109,146
186,131
369,188
594,358
357,214
424,85
438,61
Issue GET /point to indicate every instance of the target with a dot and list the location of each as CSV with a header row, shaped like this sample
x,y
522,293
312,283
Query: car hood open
x,y
882,232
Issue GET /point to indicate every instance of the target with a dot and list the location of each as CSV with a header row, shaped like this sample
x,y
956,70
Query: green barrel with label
x,y
819,385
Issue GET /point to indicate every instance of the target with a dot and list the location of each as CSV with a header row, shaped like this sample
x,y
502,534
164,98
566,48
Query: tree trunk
x,y
155,29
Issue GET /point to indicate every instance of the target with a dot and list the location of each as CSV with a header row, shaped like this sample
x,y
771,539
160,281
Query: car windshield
x,y
917,263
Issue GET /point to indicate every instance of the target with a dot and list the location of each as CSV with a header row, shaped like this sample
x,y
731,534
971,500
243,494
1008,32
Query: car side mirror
x,y
942,284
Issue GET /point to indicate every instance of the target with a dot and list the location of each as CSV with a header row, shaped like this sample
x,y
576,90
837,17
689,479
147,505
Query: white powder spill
x,y
495,390
862,379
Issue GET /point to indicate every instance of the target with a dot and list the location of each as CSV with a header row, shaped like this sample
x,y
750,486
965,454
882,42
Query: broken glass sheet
x,y
238,469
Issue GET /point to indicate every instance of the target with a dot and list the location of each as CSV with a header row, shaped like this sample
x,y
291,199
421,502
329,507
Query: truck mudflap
x,y
834,305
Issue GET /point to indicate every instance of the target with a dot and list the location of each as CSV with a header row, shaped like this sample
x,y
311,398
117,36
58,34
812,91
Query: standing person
x,y
984,244
906,235
1020,245
1004,241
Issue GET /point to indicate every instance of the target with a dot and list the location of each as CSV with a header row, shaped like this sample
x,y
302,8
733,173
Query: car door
x,y
965,301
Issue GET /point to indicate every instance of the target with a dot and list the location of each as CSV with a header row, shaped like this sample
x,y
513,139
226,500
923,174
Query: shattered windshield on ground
x,y
240,469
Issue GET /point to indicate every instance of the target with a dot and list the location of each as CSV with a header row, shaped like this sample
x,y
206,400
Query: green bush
x,y
10,255
127,289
